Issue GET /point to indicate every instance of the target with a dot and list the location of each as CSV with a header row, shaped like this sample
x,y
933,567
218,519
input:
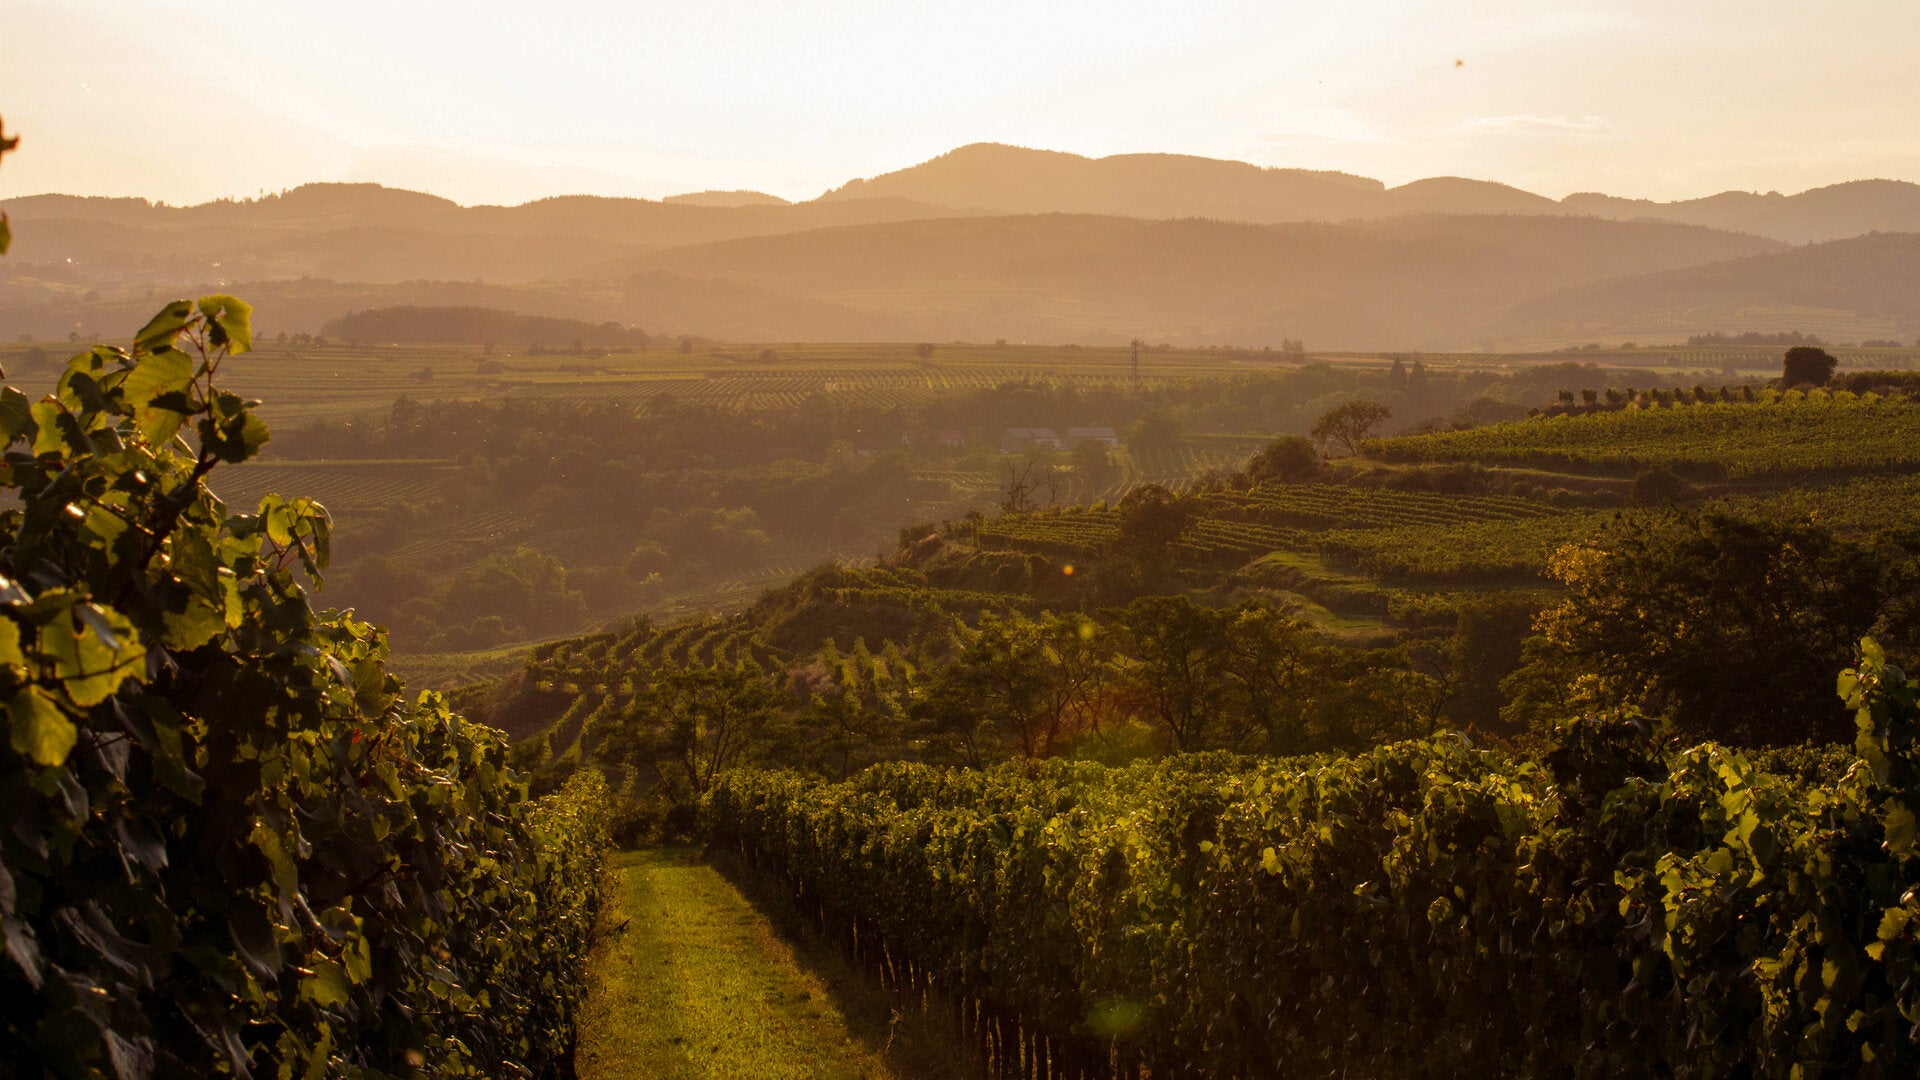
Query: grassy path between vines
x,y
689,980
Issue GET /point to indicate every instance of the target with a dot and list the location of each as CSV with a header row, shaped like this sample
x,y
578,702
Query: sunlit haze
x,y
491,102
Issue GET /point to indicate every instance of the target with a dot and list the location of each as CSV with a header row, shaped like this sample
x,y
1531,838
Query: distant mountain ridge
x,y
995,177
992,241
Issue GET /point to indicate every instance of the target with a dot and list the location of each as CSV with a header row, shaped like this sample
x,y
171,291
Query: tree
x,y
1419,389
1269,663
1731,627
1659,486
1488,639
855,705
1349,424
1152,519
1154,433
1174,669
1092,466
1807,364
1027,478
699,721
1289,459
1029,683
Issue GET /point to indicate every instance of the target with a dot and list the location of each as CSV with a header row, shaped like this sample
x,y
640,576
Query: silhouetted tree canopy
x,y
1288,459
1152,518
1808,364
1730,626
1347,425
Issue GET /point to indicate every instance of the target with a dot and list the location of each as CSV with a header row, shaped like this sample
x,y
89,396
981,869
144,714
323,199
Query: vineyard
x,y
1462,551
929,709
347,488
412,527
1611,910
1794,435
1083,532
238,846
1387,533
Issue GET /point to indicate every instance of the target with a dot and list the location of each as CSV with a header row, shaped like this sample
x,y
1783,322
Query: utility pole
x,y
1136,366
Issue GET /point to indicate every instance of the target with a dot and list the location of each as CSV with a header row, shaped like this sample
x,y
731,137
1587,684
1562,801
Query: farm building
x,y
1019,438
1106,436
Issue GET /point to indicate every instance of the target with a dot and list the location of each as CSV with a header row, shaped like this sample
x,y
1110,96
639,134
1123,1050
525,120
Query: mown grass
x,y
689,980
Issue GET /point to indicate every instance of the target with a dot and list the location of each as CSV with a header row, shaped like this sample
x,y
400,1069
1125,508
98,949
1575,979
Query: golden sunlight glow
x,y
493,102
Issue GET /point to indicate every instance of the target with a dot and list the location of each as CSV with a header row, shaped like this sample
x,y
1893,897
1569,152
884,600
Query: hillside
x,y
1431,282
1405,581
1827,213
1416,282
1867,286
991,242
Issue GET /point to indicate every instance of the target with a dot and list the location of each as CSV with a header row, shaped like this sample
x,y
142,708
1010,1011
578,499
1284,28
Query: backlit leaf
x,y
39,728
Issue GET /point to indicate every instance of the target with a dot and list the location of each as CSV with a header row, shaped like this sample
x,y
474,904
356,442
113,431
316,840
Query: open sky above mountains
x,y
185,100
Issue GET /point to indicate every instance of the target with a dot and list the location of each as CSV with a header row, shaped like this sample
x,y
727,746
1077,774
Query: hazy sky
x,y
495,102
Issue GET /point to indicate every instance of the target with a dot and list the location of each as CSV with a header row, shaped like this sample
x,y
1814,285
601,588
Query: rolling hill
x,y
1007,179
993,241
1866,286
1414,282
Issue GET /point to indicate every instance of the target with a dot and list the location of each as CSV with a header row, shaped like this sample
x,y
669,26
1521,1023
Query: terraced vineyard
x,y
1457,552
1401,535
1327,506
1791,434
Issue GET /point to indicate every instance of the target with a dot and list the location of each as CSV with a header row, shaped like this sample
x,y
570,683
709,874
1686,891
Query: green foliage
x,y
526,590
235,846
1151,519
1411,535
1288,459
1613,910
1512,548
1027,685
708,719
1660,486
1726,625
1093,467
